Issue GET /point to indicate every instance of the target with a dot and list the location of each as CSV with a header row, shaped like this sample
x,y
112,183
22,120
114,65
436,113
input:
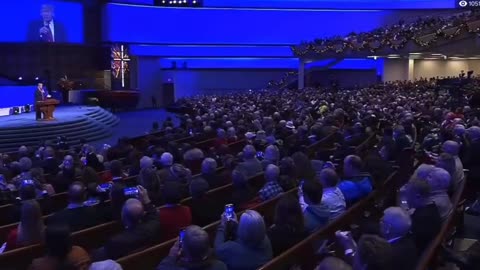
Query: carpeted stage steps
x,y
75,123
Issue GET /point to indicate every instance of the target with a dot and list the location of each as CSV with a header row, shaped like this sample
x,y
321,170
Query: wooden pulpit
x,y
47,107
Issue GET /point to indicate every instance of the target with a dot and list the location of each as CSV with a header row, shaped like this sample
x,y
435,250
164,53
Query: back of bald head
x,y
399,220
451,147
196,243
354,161
272,172
328,177
333,263
76,192
249,151
132,212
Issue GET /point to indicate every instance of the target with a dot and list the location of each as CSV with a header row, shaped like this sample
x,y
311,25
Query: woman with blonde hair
x,y
251,248
30,229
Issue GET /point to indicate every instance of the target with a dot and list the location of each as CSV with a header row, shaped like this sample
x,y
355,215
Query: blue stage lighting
x,y
20,78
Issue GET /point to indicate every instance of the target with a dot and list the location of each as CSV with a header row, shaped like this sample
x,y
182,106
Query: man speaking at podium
x,y
40,95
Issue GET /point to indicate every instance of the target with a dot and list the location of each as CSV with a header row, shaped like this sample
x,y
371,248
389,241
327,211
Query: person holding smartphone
x,y
191,252
251,248
141,228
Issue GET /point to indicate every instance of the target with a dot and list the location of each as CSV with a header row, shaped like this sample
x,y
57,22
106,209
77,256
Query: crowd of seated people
x,y
142,184
395,36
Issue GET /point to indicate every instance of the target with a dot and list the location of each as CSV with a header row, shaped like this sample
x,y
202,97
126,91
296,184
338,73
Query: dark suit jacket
x,y
77,218
205,211
146,233
50,166
38,95
33,34
405,254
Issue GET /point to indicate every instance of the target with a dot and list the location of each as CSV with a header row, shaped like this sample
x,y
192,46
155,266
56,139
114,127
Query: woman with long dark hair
x,y
61,255
288,228
30,229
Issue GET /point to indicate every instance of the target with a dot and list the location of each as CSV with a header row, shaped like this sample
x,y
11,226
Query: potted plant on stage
x,y
65,86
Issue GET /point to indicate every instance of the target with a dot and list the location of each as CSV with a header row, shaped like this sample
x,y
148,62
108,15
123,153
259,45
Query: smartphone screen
x,y
181,235
130,191
229,211
28,182
105,186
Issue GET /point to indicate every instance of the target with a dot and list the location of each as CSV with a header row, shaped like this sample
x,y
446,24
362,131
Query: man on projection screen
x,y
47,29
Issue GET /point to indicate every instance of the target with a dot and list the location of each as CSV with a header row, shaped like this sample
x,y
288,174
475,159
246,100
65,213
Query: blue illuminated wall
x,y
343,4
20,16
16,95
135,2
159,25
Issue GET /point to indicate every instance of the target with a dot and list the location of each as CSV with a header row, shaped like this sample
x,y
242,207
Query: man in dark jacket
x,y
77,215
394,227
50,163
191,253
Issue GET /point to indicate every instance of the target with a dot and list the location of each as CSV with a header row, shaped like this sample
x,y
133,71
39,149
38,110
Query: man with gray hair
x,y
22,151
209,173
439,181
146,162
192,252
453,148
395,227
250,165
272,188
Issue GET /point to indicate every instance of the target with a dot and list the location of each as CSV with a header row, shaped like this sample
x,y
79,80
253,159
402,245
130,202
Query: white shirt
x,y
332,198
52,29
